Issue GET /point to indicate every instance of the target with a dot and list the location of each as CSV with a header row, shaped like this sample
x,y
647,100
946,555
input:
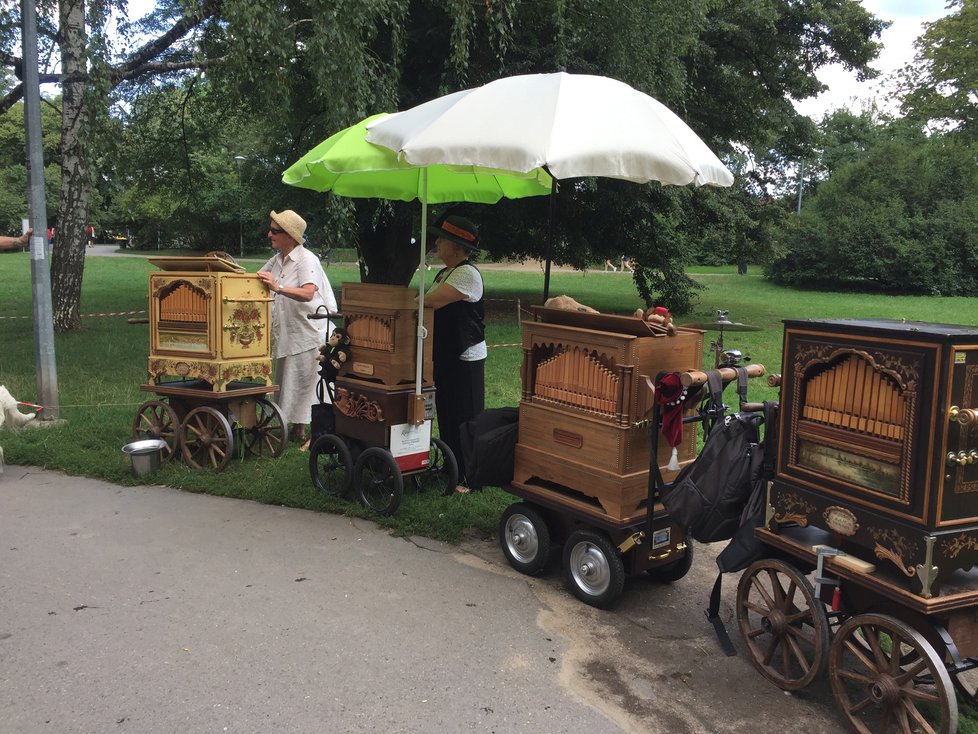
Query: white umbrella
x,y
572,125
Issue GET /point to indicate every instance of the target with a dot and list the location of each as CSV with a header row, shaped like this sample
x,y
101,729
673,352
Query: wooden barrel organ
x,y
209,321
879,447
376,400
587,395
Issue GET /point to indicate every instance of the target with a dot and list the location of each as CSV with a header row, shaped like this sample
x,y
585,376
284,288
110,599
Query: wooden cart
x,y
378,420
586,440
209,363
871,536
205,427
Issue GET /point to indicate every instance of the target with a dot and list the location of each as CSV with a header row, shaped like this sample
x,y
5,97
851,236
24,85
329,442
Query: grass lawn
x,y
101,368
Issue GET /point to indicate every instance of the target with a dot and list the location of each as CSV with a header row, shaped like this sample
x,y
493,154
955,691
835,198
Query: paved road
x,y
147,609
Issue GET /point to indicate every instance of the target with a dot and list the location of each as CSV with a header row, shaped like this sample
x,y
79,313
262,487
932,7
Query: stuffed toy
x,y
658,317
567,303
334,354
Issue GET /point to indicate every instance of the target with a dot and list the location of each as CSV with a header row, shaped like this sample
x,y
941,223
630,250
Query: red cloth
x,y
671,394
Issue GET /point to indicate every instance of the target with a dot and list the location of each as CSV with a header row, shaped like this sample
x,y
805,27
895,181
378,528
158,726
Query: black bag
x,y
745,547
489,447
323,420
709,495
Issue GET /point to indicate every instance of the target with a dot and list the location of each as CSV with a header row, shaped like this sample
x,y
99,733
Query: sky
x,y
844,91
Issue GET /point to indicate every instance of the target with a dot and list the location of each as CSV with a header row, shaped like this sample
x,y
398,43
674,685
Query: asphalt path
x,y
147,609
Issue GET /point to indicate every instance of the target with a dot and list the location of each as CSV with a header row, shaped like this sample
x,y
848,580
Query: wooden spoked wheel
x,y
268,437
887,678
156,419
206,439
784,627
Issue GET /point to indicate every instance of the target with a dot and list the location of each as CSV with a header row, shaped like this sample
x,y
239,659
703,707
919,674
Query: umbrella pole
x,y
416,412
550,238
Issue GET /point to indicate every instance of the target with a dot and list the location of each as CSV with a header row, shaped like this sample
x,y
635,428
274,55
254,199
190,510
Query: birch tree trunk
x,y
68,258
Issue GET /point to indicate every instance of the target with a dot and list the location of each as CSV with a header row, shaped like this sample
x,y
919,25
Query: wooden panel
x,y
382,321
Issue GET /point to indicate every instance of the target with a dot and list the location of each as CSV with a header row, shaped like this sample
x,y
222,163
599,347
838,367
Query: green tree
x,y
902,218
941,85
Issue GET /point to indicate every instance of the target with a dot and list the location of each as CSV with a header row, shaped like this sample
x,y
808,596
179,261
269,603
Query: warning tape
x,y
87,315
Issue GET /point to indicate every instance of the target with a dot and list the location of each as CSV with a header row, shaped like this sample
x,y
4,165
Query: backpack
x,y
745,547
708,497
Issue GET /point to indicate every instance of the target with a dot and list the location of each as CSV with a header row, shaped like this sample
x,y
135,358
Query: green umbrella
x,y
347,165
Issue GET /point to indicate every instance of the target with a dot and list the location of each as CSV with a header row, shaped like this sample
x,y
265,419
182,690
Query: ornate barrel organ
x,y
382,321
209,321
587,394
879,444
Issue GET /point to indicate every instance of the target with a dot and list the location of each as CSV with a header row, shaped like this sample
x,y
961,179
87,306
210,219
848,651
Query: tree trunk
x,y
387,252
68,258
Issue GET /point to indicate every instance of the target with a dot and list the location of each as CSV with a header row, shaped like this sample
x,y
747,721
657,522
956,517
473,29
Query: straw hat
x,y
292,223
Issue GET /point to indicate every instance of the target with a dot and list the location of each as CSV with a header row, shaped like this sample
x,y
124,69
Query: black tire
x,y
331,465
524,538
441,476
675,570
378,480
593,568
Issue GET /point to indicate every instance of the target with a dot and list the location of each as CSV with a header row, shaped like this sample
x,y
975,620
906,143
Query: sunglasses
x,y
275,230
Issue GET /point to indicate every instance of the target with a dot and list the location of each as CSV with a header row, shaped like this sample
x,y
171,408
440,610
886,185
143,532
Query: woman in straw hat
x,y
296,278
459,347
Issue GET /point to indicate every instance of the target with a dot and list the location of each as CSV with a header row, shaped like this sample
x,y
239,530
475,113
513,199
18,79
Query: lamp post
x,y
238,159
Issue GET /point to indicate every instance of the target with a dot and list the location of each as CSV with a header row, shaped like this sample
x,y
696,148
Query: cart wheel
x,y
330,465
268,436
674,570
379,482
441,475
886,677
966,681
156,419
206,439
524,538
593,568
784,626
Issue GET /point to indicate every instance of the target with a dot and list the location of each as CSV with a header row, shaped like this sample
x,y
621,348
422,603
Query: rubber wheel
x,y
674,570
441,476
331,465
156,419
593,568
379,482
783,625
886,677
268,437
206,439
524,538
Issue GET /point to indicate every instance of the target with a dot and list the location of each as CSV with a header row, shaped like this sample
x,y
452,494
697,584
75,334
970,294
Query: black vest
x,y
458,326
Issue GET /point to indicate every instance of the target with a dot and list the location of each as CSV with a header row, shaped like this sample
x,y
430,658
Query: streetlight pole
x,y
238,159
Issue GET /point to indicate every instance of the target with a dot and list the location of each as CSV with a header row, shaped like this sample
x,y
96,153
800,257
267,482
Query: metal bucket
x,y
146,455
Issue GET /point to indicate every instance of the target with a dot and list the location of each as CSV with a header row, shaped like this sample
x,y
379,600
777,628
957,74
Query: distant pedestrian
x,y
627,264
90,235
609,264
